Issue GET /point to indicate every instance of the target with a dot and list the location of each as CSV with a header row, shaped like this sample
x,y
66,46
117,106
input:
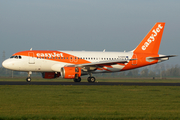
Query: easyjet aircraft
x,y
74,64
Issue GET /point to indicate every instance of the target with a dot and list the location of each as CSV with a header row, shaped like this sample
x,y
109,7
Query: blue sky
x,y
91,25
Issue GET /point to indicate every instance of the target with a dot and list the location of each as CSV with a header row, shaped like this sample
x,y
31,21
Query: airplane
x,y
74,64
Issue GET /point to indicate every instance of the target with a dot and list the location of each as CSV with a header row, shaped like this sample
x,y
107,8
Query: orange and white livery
x,y
74,64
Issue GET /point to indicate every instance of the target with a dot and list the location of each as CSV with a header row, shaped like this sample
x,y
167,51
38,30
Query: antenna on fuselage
x,y
104,50
31,49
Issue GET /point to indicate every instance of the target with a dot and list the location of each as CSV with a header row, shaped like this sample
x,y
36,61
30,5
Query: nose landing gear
x,y
28,79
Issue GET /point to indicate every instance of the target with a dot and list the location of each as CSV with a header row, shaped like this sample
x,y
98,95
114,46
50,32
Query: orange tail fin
x,y
151,43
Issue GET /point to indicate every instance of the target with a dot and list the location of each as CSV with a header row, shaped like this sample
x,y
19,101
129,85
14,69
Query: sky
x,y
90,25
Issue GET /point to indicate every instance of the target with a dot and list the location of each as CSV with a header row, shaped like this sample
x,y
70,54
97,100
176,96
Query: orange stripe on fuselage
x,y
53,55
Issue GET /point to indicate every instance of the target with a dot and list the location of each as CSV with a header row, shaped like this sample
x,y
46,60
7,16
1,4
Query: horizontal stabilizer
x,y
159,58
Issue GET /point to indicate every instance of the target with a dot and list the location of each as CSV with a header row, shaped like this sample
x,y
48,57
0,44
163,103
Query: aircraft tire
x,y
77,80
28,79
91,79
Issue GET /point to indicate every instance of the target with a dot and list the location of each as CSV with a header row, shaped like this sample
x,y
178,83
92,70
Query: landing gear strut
x,y
91,79
28,79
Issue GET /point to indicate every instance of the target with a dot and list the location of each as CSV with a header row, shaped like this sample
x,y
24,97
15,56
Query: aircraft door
x,y
31,58
73,59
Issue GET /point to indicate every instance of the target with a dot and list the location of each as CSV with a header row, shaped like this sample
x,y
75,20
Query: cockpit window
x,y
16,57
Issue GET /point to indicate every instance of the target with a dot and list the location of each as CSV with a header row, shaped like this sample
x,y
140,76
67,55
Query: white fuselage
x,y
42,64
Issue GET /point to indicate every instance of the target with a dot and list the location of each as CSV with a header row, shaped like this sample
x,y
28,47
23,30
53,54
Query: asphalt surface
x,y
86,83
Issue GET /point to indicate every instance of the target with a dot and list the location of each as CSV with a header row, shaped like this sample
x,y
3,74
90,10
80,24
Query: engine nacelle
x,y
50,75
70,72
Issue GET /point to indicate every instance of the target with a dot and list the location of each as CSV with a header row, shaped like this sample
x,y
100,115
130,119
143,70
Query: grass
x,y
89,102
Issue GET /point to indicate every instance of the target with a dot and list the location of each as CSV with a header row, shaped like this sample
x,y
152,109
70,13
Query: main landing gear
x,y
77,79
28,79
91,79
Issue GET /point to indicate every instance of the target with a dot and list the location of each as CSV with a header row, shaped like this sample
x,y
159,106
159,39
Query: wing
x,y
95,65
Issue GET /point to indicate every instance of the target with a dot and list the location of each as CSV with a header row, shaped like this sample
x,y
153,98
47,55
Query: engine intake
x,y
70,72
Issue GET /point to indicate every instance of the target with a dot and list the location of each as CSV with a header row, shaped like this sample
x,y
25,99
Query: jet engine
x,y
50,75
70,72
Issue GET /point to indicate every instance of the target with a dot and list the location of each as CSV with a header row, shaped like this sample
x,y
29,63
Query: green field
x,y
89,102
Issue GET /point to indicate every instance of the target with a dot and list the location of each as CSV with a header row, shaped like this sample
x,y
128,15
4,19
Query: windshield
x,y
16,57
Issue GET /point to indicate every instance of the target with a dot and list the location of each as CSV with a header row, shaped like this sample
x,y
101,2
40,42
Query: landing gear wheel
x,y
28,79
91,79
77,80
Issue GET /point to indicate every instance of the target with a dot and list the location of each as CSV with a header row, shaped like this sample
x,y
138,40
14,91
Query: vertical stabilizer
x,y
151,42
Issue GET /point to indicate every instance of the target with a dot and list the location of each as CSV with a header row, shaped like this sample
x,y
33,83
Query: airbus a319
x,y
74,64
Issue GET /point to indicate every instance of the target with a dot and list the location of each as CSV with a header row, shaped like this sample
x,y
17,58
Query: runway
x,y
86,83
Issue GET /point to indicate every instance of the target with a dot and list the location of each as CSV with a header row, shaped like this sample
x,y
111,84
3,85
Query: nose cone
x,y
5,64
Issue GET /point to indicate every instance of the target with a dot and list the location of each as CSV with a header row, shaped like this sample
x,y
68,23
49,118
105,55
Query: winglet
x,y
151,42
